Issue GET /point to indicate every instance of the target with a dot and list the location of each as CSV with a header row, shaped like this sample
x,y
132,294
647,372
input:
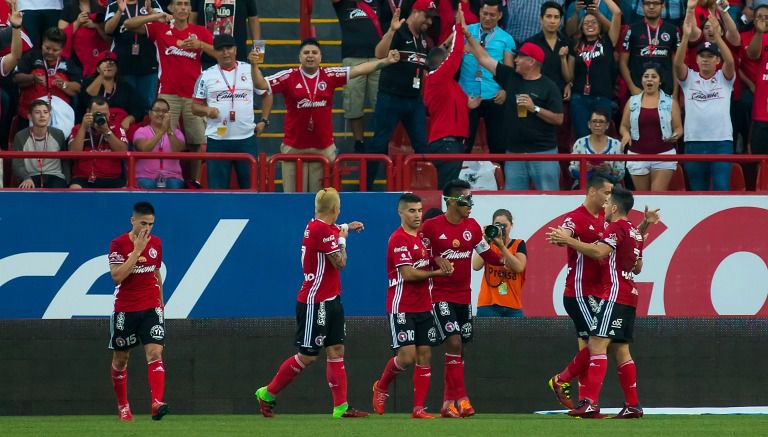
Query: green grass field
x,y
491,425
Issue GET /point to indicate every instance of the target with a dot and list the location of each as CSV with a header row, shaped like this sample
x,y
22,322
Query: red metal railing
x,y
409,164
363,160
299,160
131,157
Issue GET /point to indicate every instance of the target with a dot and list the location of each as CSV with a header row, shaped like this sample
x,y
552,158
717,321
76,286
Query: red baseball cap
x,y
106,55
532,51
427,6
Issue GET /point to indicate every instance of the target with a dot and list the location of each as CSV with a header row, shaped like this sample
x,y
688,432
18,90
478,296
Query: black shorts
x,y
319,325
453,319
413,328
614,321
126,329
582,311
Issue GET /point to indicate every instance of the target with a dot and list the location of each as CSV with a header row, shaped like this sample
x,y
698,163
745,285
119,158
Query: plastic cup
x,y
522,110
260,47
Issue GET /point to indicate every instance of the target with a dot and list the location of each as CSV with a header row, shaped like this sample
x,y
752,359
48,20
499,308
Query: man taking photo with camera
x,y
95,134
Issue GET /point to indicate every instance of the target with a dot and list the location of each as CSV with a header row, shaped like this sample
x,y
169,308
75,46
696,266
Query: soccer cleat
x,y
586,410
630,412
124,413
345,411
450,412
159,409
421,413
379,398
465,408
266,402
562,391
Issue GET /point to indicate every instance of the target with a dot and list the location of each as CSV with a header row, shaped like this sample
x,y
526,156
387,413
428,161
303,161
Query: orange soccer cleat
x,y
450,411
421,413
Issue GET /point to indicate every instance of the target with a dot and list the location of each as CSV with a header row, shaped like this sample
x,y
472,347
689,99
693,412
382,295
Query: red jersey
x,y
751,67
179,68
618,279
454,243
585,275
87,44
308,101
446,102
405,249
321,278
760,104
140,290
100,168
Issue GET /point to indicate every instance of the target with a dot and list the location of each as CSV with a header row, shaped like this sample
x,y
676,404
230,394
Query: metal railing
x,y
363,159
299,159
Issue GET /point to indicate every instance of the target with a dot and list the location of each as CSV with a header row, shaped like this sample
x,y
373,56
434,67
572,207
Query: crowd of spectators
x,y
569,76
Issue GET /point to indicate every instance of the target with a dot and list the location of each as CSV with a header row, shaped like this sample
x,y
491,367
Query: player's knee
x,y
406,357
307,360
453,345
423,356
120,360
335,351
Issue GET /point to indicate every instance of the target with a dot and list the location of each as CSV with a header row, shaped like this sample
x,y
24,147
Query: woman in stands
x,y
598,143
159,137
651,125
83,22
592,66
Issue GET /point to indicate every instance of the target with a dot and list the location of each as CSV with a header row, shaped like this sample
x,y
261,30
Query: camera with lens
x,y
494,230
99,118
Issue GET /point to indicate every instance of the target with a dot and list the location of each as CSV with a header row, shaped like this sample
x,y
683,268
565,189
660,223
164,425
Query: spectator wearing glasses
x,y
598,143
158,136
592,66
673,11
651,124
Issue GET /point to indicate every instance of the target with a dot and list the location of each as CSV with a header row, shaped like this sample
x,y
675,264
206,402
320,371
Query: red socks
x,y
421,376
454,378
576,366
287,372
391,370
628,380
337,380
156,378
598,365
120,384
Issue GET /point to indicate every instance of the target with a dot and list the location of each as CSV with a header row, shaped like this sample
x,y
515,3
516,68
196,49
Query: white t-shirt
x,y
707,107
40,5
214,86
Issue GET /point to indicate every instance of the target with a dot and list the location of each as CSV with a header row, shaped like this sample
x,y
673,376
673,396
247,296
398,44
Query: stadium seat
x,y
737,178
762,177
677,183
499,174
424,177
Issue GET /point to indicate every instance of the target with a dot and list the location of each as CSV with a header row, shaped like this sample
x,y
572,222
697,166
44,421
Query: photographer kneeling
x,y
500,290
96,135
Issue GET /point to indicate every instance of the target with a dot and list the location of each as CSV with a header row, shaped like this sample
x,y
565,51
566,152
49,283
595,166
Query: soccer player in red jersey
x,y
614,317
134,262
319,313
451,237
409,304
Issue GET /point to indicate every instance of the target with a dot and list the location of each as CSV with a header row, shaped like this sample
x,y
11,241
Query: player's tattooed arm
x,y
651,216
338,259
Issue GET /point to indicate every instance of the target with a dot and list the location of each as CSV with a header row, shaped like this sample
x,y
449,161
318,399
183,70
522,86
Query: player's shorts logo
x,y
319,340
617,323
432,334
466,330
321,314
401,318
450,327
153,253
444,310
402,336
157,332
159,312
120,341
120,321
467,235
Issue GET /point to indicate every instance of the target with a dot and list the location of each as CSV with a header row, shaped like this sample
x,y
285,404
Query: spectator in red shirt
x,y
758,51
446,105
96,134
83,21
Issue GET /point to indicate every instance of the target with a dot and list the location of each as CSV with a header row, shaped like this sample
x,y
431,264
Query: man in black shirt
x,y
361,30
534,111
552,41
649,40
136,58
400,85
228,17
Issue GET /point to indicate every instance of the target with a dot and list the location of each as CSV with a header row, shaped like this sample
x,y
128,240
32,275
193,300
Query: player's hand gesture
x,y
445,266
652,216
356,226
396,22
393,57
558,236
140,242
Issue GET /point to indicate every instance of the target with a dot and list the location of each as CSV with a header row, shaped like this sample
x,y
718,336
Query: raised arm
x,y
137,24
729,65
615,28
10,60
756,45
369,67
382,48
680,68
259,82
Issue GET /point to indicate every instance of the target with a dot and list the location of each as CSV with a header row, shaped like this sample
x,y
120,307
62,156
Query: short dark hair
x,y
408,198
502,212
431,213
454,187
143,208
38,102
601,112
436,57
492,3
160,100
623,199
54,34
97,100
597,181
310,42
550,5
